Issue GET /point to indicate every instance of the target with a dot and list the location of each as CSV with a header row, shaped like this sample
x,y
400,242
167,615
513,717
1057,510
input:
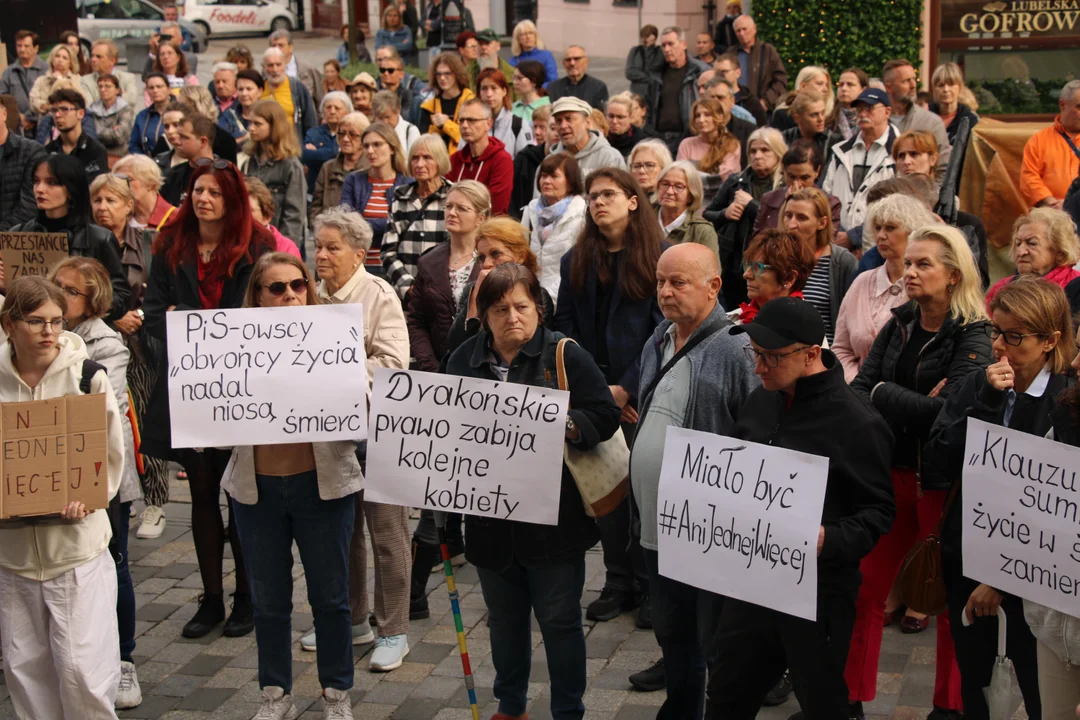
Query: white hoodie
x,y
43,552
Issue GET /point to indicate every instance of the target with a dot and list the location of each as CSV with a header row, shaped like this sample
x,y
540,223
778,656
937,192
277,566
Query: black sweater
x,y
859,505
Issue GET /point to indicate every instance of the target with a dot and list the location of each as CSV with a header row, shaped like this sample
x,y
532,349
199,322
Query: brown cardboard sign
x,y
53,452
31,253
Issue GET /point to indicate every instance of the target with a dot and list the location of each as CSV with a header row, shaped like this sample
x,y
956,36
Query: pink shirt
x,y
282,243
694,149
866,308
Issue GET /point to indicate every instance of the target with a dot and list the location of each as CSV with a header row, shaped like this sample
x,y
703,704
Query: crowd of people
x,y
730,251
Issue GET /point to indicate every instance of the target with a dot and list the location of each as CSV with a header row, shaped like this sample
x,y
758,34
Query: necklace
x,y
456,263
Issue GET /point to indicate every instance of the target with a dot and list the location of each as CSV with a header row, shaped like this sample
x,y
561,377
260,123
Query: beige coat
x,y
335,464
39,94
386,339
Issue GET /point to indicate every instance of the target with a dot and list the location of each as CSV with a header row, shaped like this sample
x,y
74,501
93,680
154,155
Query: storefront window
x,y
1009,82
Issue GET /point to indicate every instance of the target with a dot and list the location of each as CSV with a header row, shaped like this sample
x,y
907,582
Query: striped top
x,y
816,293
377,208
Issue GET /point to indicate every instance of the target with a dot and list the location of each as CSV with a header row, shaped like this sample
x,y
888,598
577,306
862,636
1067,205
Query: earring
x,y
950,288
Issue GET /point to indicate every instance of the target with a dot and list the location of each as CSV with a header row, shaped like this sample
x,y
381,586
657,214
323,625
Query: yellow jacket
x,y
450,130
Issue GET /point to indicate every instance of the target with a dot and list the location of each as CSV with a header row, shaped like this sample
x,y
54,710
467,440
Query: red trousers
x,y
915,519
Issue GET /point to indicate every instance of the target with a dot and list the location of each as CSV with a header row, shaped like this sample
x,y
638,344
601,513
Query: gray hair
x,y
434,145
169,24
906,211
656,147
354,229
674,29
355,120
1069,90
225,66
718,80
477,102
337,95
385,101
693,182
142,168
272,51
281,34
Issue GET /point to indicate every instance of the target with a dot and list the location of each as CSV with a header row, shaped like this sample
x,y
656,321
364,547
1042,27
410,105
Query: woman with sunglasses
x,y
302,493
63,202
57,580
351,157
274,157
203,260
921,357
775,264
85,283
1021,389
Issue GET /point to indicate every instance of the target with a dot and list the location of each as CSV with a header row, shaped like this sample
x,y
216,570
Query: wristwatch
x,y
571,426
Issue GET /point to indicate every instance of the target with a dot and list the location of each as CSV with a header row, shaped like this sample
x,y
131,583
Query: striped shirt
x,y
377,207
816,293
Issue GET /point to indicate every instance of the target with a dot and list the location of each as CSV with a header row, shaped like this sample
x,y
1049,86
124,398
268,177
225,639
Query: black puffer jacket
x,y
734,235
954,353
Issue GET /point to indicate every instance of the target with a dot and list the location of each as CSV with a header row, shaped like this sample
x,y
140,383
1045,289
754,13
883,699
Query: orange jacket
x,y
1049,166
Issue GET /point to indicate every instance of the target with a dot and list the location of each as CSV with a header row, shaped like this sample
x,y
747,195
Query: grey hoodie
x,y
596,154
113,125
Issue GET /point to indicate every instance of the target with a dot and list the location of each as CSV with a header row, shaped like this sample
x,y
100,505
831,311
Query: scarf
x,y
749,310
549,215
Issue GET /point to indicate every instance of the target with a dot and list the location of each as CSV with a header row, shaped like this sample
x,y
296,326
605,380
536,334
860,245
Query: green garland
x,y
838,34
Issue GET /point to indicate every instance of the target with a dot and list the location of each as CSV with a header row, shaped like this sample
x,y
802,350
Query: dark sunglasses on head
x,y
277,289
218,163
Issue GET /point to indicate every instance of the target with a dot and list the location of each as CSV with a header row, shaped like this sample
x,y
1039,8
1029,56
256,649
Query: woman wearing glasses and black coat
x,y
202,260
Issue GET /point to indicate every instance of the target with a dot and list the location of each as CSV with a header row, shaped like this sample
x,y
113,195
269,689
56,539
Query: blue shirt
x,y
744,66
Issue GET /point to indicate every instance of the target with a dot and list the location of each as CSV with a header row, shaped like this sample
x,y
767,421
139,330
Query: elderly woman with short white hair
x,y
680,192
144,177
350,157
1045,245
320,143
647,160
342,240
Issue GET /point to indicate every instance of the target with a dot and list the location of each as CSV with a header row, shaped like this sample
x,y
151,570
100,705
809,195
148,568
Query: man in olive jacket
x,y
802,402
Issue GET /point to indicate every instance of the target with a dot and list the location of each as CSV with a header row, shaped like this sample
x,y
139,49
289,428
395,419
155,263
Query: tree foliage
x,y
838,34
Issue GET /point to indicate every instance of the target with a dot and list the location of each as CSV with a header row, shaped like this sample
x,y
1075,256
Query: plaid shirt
x,y
415,226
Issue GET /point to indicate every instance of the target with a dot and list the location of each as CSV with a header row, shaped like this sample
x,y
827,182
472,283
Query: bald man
x,y
694,374
762,68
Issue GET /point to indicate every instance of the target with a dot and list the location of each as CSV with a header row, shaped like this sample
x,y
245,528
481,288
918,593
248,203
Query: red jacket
x,y
494,168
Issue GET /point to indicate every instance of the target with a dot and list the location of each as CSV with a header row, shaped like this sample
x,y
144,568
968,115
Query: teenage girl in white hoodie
x,y
57,582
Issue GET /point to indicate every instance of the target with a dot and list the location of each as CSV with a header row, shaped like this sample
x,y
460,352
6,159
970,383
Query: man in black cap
x,y
804,404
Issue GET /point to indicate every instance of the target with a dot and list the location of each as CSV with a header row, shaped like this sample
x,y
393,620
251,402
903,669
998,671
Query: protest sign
x,y
477,447
741,519
31,253
1021,516
267,376
54,452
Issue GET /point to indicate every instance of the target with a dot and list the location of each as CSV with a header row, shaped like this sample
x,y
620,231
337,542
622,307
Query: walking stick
x,y
455,607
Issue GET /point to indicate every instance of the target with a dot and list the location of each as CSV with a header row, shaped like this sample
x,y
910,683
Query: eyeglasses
x,y
218,163
1011,336
71,292
606,195
771,360
63,109
757,268
122,176
646,166
677,187
471,121
354,136
38,325
277,289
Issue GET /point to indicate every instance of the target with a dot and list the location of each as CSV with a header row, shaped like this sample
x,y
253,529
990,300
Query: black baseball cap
x,y
784,321
872,96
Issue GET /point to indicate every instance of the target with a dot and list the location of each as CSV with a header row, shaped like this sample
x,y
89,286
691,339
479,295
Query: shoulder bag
x,y
921,581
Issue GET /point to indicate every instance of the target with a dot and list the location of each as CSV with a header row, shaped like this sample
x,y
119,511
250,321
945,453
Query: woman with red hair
x,y
515,132
202,260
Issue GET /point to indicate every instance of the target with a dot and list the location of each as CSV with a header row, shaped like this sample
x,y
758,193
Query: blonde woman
x,y
62,65
921,356
947,86
713,149
274,157
647,160
145,179
811,77
526,45
734,208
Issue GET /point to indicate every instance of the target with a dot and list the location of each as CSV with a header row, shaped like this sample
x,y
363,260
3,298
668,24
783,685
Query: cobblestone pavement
x,y
216,677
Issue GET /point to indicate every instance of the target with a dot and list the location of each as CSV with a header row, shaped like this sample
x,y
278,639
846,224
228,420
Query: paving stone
x,y
176,652
152,706
155,585
156,612
178,571
612,679
417,708
206,665
410,672
373,711
178,685
892,662
231,677
388,693
600,699
206,699
424,652
636,712
601,647
437,687
152,672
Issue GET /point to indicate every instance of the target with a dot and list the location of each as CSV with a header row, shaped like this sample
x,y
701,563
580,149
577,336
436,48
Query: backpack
x,y
89,370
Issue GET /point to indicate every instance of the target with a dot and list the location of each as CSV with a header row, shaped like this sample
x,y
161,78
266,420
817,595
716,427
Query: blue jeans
x,y
289,508
553,593
684,620
125,591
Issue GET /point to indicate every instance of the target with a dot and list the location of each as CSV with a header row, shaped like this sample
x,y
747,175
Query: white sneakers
x,y
336,705
361,635
276,705
128,694
390,652
152,525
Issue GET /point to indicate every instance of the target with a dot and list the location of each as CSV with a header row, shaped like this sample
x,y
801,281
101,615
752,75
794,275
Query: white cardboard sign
x,y
741,519
1021,522
267,376
477,447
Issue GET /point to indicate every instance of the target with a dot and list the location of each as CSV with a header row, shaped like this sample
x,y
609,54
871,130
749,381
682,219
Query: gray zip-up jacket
x,y
285,178
18,81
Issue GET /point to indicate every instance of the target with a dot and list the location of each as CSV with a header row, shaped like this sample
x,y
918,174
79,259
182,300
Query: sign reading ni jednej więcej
x,y
741,519
1021,521
266,376
466,445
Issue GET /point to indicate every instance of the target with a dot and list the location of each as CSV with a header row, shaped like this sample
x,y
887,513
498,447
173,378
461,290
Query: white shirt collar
x,y
674,223
1038,385
882,285
291,69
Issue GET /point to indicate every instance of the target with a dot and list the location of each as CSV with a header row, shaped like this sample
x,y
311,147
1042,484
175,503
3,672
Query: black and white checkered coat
x,y
415,226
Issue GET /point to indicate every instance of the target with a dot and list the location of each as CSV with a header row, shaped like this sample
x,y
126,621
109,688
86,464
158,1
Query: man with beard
x,y
490,46
291,95
903,87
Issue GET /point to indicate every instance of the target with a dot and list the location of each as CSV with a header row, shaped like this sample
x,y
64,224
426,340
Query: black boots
x,y
211,612
242,618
